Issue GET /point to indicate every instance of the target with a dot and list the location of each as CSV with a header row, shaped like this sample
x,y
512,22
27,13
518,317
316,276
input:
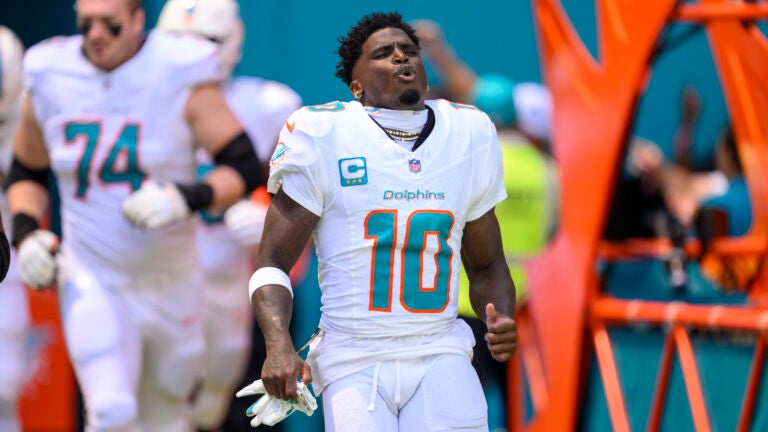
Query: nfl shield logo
x,y
414,165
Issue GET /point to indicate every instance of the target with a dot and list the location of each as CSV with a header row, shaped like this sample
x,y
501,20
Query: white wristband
x,y
268,276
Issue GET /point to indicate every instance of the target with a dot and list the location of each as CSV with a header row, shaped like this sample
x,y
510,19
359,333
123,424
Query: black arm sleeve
x,y
21,172
240,155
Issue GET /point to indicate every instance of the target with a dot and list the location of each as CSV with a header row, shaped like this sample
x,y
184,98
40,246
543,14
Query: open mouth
x,y
406,73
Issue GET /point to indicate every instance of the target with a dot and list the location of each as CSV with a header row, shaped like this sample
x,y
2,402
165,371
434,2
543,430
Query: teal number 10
x,y
381,227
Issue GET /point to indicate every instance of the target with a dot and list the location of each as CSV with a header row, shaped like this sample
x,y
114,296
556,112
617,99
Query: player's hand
x,y
245,220
154,205
280,371
270,410
502,334
37,259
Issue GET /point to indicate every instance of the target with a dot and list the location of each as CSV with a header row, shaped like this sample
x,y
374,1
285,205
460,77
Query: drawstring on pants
x,y
374,387
397,383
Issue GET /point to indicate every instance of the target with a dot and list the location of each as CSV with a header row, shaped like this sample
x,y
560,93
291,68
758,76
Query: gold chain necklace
x,y
401,135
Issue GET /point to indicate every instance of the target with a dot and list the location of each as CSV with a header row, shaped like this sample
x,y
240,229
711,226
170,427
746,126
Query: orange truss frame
x,y
594,102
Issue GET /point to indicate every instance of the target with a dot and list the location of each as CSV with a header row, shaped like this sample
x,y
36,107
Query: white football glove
x,y
245,220
154,205
270,410
37,259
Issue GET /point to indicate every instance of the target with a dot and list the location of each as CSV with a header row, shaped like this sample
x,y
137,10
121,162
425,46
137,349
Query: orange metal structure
x,y
48,402
594,100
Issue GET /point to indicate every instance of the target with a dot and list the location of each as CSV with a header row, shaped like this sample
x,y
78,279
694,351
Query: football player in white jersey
x,y
227,258
118,114
14,312
395,190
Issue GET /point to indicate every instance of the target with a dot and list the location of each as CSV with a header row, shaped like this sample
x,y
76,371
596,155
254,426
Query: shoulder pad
x,y
47,54
464,114
315,120
452,108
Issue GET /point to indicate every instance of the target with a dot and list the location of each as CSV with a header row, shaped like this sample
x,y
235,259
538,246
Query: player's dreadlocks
x,y
352,44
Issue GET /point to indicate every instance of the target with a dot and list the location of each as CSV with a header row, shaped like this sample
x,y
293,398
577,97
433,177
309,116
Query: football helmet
x,y
217,20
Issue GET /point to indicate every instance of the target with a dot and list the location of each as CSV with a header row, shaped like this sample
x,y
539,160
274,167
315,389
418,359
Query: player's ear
x,y
356,88
139,20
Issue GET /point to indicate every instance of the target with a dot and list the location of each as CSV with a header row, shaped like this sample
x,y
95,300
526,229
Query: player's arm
x,y
237,171
458,77
28,201
287,229
27,181
217,129
491,290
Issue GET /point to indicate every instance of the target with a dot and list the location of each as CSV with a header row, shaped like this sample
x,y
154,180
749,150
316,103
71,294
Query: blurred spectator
x,y
529,216
686,192
683,140
710,204
639,209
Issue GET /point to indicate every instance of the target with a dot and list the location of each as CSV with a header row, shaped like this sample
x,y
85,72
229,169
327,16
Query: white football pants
x,y
136,345
435,393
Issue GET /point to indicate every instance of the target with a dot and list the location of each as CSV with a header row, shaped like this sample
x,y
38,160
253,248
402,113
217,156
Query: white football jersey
x,y
262,106
106,132
388,241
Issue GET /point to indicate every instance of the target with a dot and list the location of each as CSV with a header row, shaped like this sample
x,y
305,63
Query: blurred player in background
x,y
226,255
14,313
117,115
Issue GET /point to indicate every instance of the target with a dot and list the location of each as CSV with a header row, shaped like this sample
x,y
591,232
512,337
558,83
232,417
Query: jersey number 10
x,y
423,227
